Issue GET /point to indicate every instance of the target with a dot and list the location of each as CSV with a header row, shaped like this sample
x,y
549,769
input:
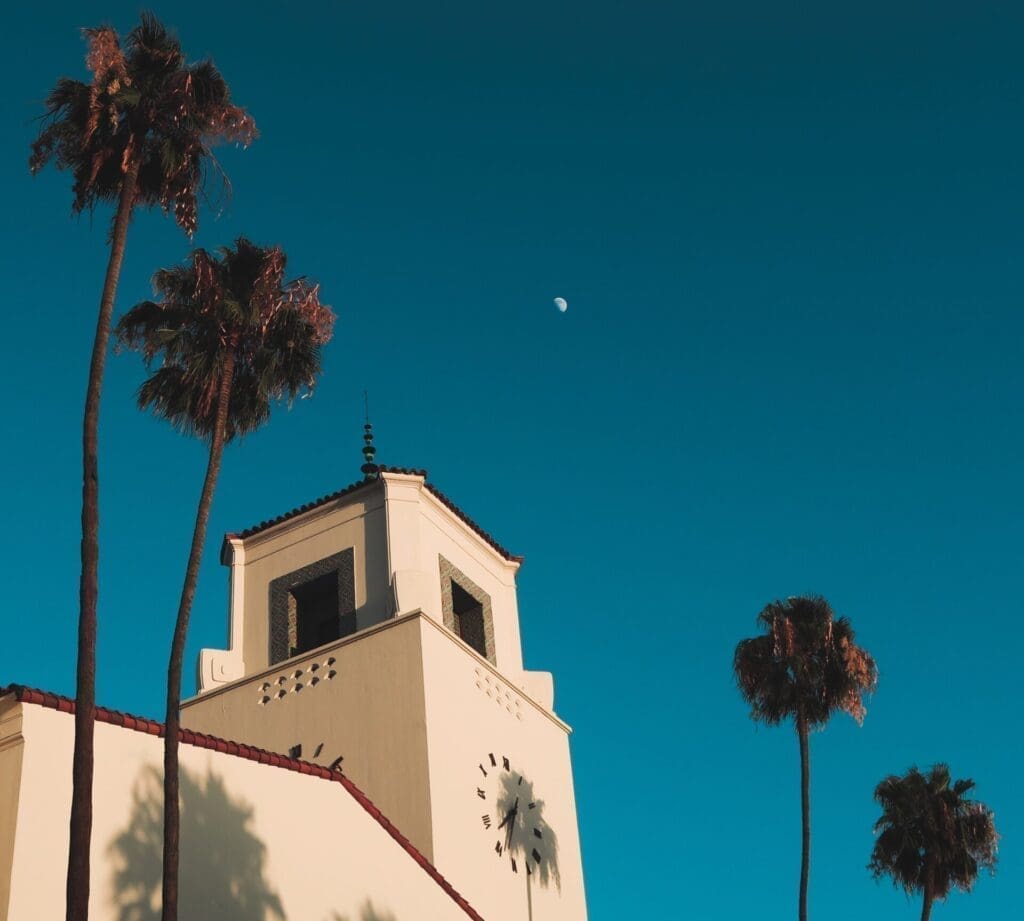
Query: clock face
x,y
511,815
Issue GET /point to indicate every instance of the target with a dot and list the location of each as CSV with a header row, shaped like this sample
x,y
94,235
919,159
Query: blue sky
x,y
790,241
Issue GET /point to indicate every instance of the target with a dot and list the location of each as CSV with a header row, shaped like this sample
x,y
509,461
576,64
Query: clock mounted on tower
x,y
515,818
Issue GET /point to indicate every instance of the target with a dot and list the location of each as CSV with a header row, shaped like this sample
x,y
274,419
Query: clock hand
x,y
510,815
511,825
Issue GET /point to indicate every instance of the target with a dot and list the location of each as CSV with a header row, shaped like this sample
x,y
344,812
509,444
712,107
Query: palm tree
x,y
232,336
931,838
805,667
139,133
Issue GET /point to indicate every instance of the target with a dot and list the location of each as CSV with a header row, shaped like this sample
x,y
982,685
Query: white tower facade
x,y
376,631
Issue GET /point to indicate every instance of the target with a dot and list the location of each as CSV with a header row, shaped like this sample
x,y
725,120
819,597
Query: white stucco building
x,y
389,758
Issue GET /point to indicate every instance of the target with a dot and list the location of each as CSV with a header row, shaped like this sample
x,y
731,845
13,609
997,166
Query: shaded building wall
x,y
12,749
258,842
406,547
415,712
360,699
358,526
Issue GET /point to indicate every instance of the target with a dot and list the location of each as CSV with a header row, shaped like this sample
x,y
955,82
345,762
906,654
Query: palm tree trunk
x,y
172,817
805,812
80,833
929,894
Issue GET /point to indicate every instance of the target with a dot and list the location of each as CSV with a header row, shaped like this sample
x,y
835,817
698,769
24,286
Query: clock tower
x,y
376,631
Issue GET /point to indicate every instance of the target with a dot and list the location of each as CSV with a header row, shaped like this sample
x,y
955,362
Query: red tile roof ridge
x,y
341,493
62,704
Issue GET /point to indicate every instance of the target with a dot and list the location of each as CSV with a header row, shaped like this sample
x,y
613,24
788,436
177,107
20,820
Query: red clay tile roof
x,y
409,471
238,749
316,503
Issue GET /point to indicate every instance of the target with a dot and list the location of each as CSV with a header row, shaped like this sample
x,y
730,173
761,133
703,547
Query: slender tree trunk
x,y
805,812
172,817
80,834
929,894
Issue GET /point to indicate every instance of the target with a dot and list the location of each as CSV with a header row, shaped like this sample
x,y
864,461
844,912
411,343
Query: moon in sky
x,y
562,304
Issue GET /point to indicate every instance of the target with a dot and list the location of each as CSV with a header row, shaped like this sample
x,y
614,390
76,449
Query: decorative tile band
x,y
450,573
283,626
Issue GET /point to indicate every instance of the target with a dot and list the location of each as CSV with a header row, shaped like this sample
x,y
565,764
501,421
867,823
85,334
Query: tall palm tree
x,y
805,667
931,838
232,336
138,133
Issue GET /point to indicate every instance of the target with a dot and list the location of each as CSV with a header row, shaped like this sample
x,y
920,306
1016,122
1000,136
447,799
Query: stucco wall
x,y
361,698
473,712
356,522
258,842
12,748
422,532
414,712
401,535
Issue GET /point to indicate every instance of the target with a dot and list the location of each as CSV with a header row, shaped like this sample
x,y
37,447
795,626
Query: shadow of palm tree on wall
x,y
367,913
531,836
222,861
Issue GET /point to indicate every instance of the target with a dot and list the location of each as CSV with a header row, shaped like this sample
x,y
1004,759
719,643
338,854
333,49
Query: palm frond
x,y
145,105
928,828
806,665
232,301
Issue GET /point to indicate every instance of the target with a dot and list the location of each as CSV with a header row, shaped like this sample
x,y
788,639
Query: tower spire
x,y
369,468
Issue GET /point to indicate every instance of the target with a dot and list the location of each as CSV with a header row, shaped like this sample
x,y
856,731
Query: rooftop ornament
x,y
369,468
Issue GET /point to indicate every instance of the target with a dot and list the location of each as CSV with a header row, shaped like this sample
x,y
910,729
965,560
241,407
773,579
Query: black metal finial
x,y
369,468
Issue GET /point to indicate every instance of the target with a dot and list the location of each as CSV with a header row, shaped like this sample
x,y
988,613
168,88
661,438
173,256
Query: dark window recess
x,y
316,614
469,619
312,606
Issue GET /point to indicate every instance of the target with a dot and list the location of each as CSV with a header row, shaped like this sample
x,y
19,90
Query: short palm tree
x,y
138,133
232,336
931,838
805,667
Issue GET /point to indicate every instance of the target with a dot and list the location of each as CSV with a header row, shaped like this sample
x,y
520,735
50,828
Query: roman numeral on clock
x,y
481,793
498,848
486,821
